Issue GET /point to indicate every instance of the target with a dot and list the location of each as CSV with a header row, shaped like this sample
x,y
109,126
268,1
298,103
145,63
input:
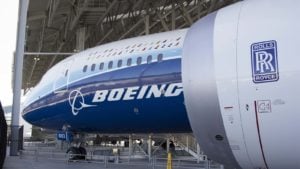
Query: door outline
x,y
61,83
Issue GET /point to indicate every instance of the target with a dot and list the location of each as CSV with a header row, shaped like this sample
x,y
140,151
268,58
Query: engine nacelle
x,y
241,79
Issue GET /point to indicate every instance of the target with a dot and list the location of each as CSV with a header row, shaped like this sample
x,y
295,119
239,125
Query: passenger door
x,y
61,82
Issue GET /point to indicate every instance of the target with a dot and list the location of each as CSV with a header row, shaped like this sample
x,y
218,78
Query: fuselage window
x,y
119,63
93,67
159,57
101,66
84,68
110,64
129,61
170,44
139,60
149,59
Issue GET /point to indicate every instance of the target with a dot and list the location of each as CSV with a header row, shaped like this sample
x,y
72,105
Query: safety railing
x,y
109,160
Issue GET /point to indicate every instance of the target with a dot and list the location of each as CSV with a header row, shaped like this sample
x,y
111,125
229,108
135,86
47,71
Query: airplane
x,y
231,79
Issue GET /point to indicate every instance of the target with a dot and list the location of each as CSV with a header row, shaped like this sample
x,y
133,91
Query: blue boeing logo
x,y
264,62
77,102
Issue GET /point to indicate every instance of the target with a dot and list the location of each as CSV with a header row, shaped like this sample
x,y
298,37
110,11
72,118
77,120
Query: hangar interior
x,y
56,29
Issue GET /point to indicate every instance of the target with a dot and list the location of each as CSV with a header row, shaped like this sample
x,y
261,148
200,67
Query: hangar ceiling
x,y
57,28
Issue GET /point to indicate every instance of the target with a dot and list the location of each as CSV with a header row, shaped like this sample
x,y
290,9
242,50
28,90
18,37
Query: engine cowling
x,y
241,78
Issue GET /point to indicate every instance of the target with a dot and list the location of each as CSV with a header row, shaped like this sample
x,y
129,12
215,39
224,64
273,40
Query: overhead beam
x,y
186,15
47,53
78,14
212,6
63,41
97,9
195,18
120,16
52,11
147,29
137,4
33,16
173,16
35,60
107,11
169,11
36,17
162,20
132,28
80,38
39,49
105,36
54,58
